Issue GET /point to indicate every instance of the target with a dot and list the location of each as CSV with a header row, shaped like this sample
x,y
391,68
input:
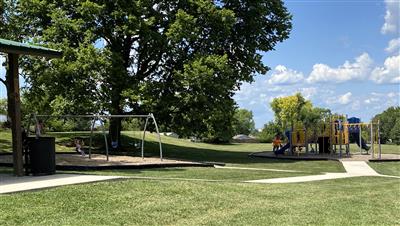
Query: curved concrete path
x,y
353,169
257,169
11,184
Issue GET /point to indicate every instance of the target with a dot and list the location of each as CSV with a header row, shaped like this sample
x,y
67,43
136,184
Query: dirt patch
x,y
101,160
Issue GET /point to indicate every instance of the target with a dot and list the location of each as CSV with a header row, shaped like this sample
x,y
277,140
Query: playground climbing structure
x,y
333,135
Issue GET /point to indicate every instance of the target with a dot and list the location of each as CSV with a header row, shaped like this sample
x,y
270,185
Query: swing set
x,y
100,119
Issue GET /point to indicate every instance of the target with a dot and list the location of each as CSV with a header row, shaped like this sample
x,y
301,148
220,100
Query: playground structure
x,y
100,119
333,136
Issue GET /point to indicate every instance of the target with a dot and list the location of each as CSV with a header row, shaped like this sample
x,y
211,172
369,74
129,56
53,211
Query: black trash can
x,y
41,155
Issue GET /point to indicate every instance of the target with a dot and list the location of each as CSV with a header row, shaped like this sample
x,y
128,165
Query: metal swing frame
x,y
101,119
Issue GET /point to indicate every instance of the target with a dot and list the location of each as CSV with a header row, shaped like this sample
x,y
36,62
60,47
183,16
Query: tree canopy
x,y
181,60
8,25
288,109
389,124
243,122
269,131
295,109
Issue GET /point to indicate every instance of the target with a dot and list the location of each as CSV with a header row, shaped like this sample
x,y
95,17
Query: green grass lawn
x,y
219,197
201,173
385,148
356,201
387,168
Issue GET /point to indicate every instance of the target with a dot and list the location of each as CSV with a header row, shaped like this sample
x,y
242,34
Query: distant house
x,y
171,134
241,138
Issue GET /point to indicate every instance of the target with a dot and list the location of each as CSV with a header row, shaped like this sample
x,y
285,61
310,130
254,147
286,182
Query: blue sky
x,y
342,55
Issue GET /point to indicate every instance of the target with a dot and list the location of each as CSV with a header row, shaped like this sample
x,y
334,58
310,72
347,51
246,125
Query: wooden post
x,y
306,139
372,141
379,140
15,113
360,137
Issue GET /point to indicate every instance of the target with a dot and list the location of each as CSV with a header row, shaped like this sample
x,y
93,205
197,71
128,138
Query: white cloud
x,y
348,71
247,92
274,89
393,99
345,99
391,24
371,100
356,105
3,92
308,92
283,75
253,102
342,99
383,100
393,45
2,68
393,94
389,73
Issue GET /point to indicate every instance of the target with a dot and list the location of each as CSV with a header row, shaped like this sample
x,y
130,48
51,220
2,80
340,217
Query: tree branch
x,y
3,81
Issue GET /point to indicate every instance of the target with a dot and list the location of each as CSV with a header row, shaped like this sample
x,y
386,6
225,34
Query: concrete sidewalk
x,y
353,169
257,169
359,168
10,184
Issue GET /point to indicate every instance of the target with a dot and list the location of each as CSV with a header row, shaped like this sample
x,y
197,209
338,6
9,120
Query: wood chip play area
x,y
74,161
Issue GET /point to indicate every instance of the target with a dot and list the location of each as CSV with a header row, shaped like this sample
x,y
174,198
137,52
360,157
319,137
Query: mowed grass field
x,y
211,196
355,201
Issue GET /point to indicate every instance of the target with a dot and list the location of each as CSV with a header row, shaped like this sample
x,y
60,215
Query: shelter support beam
x,y
15,113
372,141
379,140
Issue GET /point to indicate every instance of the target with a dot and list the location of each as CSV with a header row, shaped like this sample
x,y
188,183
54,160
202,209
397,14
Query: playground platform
x,y
336,157
99,162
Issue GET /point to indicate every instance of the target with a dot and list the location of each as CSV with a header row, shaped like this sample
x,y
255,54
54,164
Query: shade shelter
x,y
14,50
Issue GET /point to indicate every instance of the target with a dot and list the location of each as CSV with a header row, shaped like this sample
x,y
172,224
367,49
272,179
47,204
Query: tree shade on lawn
x,y
181,60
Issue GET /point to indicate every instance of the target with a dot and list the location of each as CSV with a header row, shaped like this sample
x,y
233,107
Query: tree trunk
x,y
115,133
120,64
115,127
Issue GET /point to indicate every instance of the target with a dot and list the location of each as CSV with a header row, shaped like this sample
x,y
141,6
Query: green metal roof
x,y
8,46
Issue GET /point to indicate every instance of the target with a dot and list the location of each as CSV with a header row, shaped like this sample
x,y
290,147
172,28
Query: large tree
x,y
9,28
295,109
243,122
389,124
288,109
180,59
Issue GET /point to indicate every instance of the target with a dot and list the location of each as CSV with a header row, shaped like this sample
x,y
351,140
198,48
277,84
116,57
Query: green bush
x,y
389,124
269,132
131,124
66,125
395,132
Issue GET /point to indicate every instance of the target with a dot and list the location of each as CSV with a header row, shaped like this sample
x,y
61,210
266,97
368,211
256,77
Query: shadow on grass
x,y
132,172
197,154
5,145
6,170
131,146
